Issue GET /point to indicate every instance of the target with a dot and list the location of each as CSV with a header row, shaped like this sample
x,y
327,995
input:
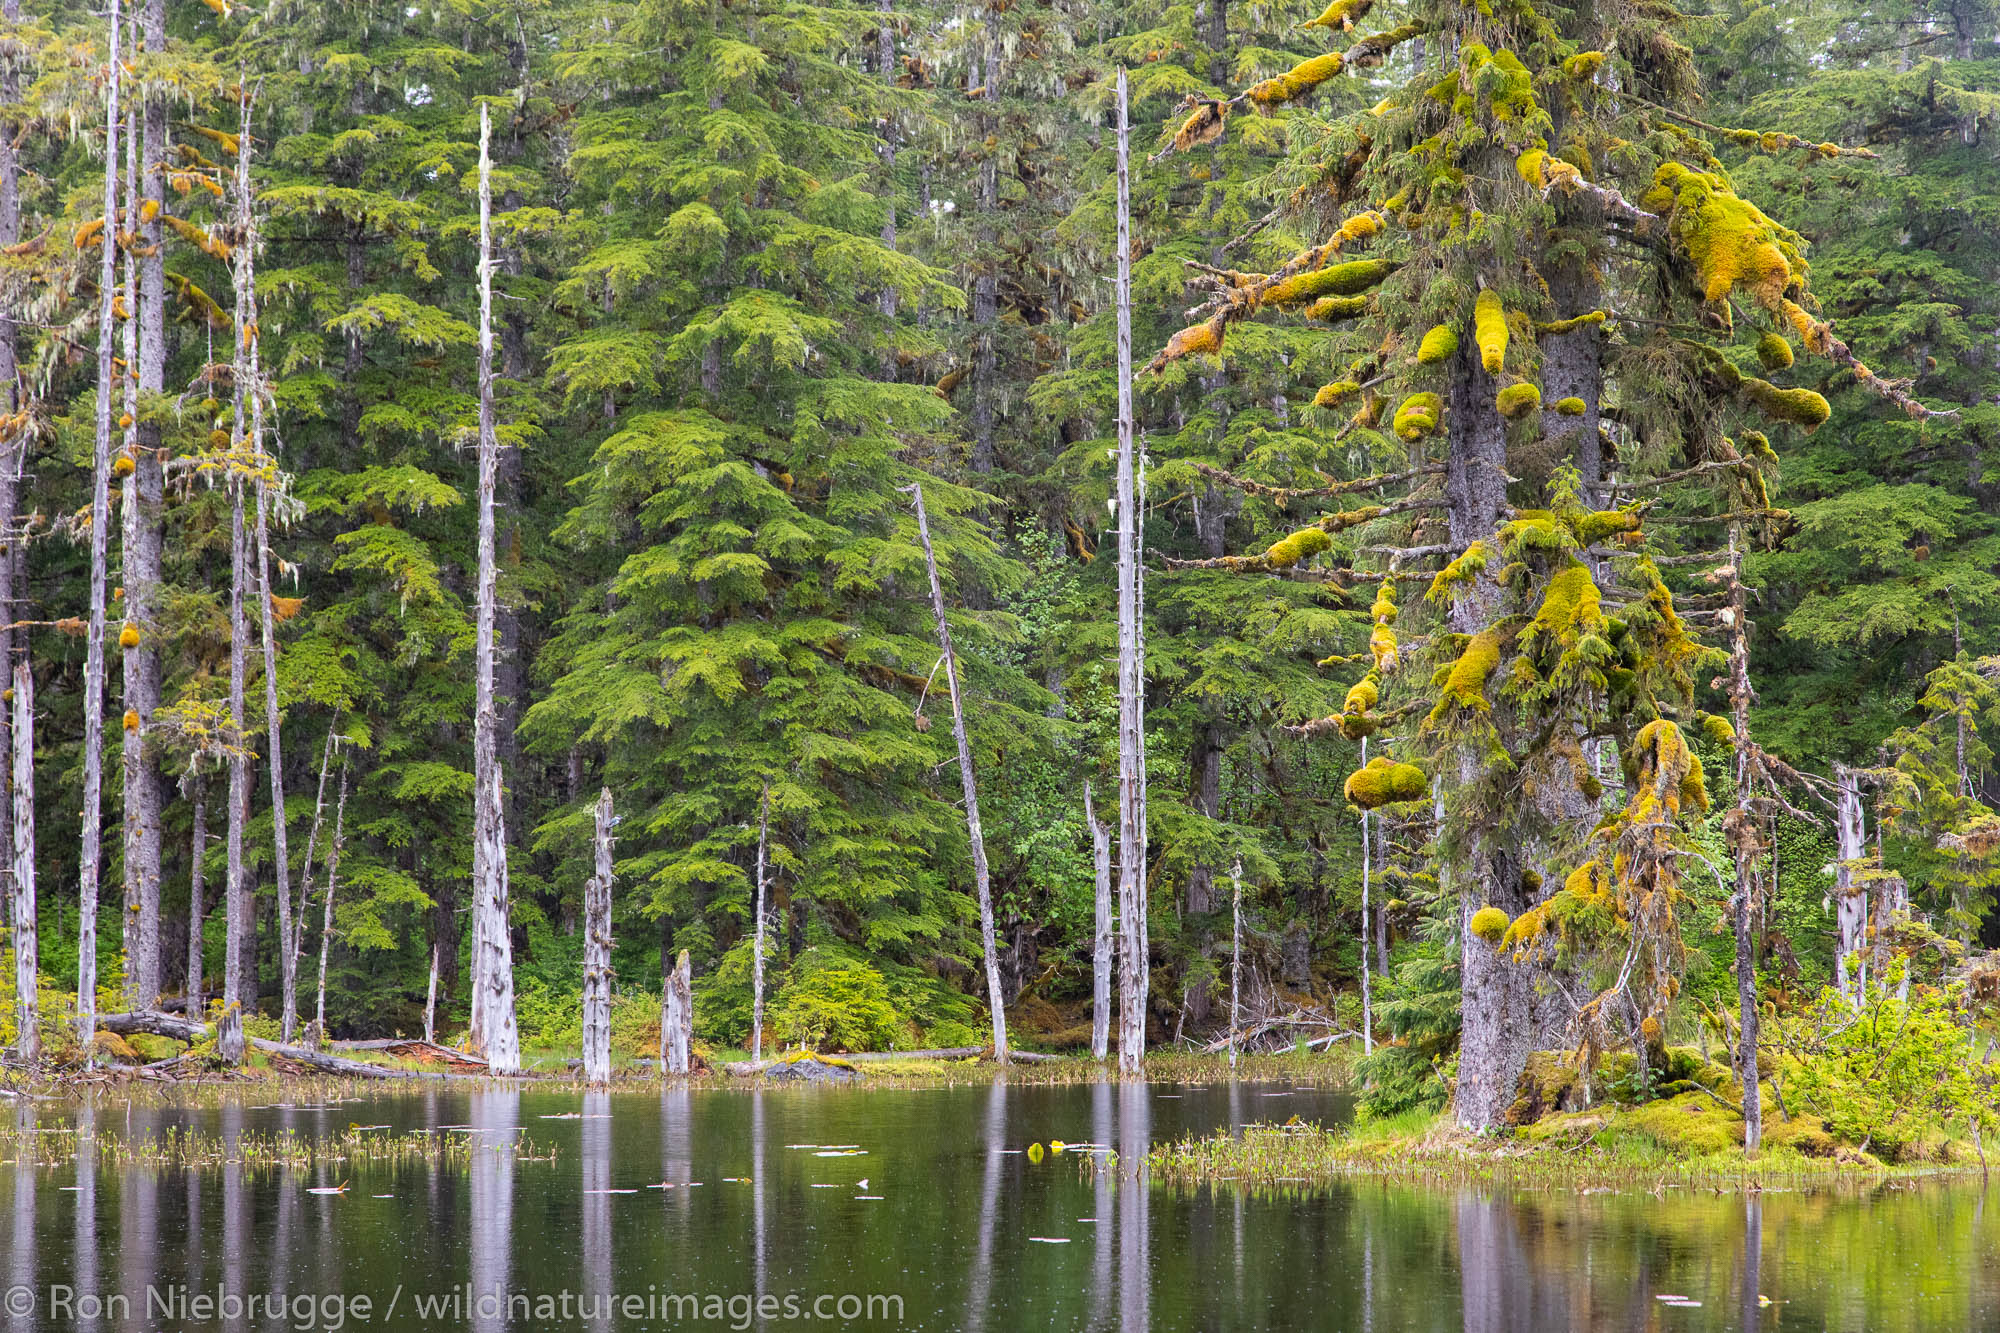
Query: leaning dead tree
x,y
27,955
597,954
1132,979
981,881
90,864
757,937
494,1034
333,851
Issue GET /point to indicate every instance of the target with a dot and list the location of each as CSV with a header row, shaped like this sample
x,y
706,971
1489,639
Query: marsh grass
x,y
180,1147
1611,1152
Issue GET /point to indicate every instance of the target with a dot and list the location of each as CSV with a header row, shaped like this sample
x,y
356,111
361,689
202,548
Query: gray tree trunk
x,y
236,896
1132,974
677,1017
1367,868
982,883
27,954
145,539
288,959
597,955
297,943
494,1033
90,862
1235,956
197,1002
13,440
1850,898
1742,831
431,1001
1101,951
757,938
333,851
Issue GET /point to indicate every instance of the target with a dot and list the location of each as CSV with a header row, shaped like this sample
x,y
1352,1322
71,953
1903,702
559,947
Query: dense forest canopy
x,y
1568,439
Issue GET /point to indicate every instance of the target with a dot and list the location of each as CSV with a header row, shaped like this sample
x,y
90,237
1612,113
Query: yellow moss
x,y
1670,774
1584,64
1382,647
1288,551
1500,78
1464,683
1602,523
1330,308
1489,329
1517,400
1349,279
1717,729
1196,338
1802,407
1773,352
131,720
128,637
1530,164
1571,605
88,234
1730,241
1332,395
1489,924
1460,572
123,465
1295,82
1573,323
1438,345
1418,416
1383,782
1571,407
1205,125
1383,608
1341,14
1363,695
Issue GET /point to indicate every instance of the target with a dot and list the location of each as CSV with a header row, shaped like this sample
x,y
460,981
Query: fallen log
x,y
751,1068
176,1028
415,1048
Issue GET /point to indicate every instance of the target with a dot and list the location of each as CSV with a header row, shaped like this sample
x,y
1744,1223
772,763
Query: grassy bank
x,y
1677,1142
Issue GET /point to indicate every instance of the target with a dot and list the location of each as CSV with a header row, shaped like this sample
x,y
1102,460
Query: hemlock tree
x,y
1553,628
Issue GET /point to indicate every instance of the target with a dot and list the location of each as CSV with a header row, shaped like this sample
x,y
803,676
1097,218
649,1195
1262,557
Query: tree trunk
x,y
1367,867
986,270
1850,898
288,961
757,941
333,851
431,1001
1205,795
677,1017
597,955
144,545
1235,955
236,897
981,882
197,1003
297,943
90,862
1100,953
1742,830
13,439
494,1034
27,955
1132,975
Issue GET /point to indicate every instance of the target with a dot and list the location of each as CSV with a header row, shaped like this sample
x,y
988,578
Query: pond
x,y
919,1209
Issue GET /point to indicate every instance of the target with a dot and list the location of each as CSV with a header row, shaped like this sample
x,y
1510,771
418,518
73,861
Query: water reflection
x,y
495,1118
969,1231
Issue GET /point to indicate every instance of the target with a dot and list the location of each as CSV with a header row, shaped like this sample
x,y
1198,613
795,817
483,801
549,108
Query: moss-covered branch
x,y
1284,496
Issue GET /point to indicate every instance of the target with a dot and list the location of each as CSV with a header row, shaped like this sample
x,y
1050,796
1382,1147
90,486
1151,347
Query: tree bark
x,y
297,942
1132,975
1101,952
757,939
197,1002
677,1017
1850,899
90,862
145,539
982,883
236,898
494,1034
27,954
333,851
288,960
13,438
597,955
431,1001
1742,831
1367,867
1235,955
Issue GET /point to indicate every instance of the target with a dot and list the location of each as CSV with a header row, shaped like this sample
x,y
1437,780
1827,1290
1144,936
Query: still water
x,y
919,1209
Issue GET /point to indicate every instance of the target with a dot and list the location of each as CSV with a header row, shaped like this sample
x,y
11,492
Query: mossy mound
x,y
1438,345
1418,416
1517,400
110,1046
1349,279
1384,782
1773,352
1489,924
1489,330
1571,407
1288,551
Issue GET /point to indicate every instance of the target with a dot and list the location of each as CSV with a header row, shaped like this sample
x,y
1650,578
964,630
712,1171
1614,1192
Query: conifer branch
x,y
1283,496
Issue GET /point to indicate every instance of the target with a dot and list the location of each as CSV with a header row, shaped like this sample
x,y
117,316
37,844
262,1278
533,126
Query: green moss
x,y
1418,416
1773,352
1329,309
1288,551
1438,345
1384,782
1717,729
1295,82
1573,323
1571,606
1571,407
1584,64
1460,572
1730,241
1599,524
1332,395
1464,681
1349,279
1363,695
1801,407
1517,400
1489,924
1489,330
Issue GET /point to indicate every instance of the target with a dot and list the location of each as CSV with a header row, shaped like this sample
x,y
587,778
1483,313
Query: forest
x,y
463,459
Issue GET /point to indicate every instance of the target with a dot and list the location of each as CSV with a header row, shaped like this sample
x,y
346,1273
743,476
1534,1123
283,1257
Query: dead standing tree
x,y
1132,973
597,954
981,882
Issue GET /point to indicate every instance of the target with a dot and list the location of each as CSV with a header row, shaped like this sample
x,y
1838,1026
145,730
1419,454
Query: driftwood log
x,y
177,1028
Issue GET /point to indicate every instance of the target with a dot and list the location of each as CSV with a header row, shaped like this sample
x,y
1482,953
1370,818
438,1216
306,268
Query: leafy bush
x,y
844,1005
